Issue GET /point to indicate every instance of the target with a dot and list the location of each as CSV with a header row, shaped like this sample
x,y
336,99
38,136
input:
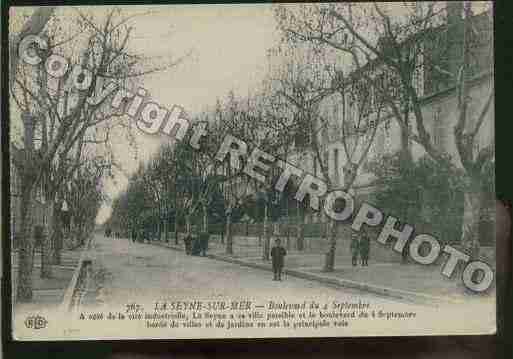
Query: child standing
x,y
277,254
355,248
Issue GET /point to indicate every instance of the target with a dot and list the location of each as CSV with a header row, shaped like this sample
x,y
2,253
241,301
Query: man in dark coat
x,y
147,233
196,245
364,248
355,248
188,244
278,254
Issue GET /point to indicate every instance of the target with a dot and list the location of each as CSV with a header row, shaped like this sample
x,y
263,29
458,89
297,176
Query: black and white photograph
x,y
292,170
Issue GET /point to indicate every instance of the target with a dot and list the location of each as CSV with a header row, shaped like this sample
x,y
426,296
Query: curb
x,y
68,298
339,282
346,283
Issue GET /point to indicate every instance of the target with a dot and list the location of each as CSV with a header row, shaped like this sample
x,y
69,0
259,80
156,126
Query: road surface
x,y
131,281
140,270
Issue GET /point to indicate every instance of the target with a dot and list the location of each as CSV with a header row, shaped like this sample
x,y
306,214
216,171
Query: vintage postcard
x,y
252,170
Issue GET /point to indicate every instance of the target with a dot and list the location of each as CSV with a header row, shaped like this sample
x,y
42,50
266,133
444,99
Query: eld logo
x,y
35,322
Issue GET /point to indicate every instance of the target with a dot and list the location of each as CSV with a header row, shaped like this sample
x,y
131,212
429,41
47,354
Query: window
x,y
418,78
438,128
395,88
387,143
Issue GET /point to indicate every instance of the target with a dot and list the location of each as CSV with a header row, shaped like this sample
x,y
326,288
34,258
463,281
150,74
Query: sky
x,y
227,46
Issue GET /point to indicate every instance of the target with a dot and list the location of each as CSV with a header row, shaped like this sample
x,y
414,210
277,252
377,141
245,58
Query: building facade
x,y
438,96
40,212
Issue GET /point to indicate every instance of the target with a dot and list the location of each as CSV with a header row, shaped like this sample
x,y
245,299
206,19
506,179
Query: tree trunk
x,y
176,227
57,238
58,245
471,218
47,242
188,224
229,237
159,229
406,166
267,238
26,247
287,223
329,265
80,233
32,26
205,218
405,151
300,228
301,235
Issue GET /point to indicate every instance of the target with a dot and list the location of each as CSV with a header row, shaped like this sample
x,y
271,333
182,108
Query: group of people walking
x,y
109,233
360,247
196,245
142,235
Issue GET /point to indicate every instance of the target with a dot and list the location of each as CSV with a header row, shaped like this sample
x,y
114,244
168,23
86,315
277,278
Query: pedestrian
x,y
203,237
278,254
134,235
188,243
365,248
196,244
148,233
355,248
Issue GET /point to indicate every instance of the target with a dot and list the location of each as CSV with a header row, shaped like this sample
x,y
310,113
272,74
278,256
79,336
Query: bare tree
x,y
56,117
449,47
309,83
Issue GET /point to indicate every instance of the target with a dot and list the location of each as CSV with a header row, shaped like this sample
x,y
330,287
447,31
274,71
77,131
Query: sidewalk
x,y
49,291
409,282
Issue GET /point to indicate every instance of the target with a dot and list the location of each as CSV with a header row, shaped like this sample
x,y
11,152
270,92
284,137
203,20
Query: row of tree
x,y
184,181
376,63
61,124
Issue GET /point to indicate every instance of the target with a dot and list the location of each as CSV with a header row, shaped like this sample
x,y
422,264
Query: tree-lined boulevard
x,y
392,104
137,272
